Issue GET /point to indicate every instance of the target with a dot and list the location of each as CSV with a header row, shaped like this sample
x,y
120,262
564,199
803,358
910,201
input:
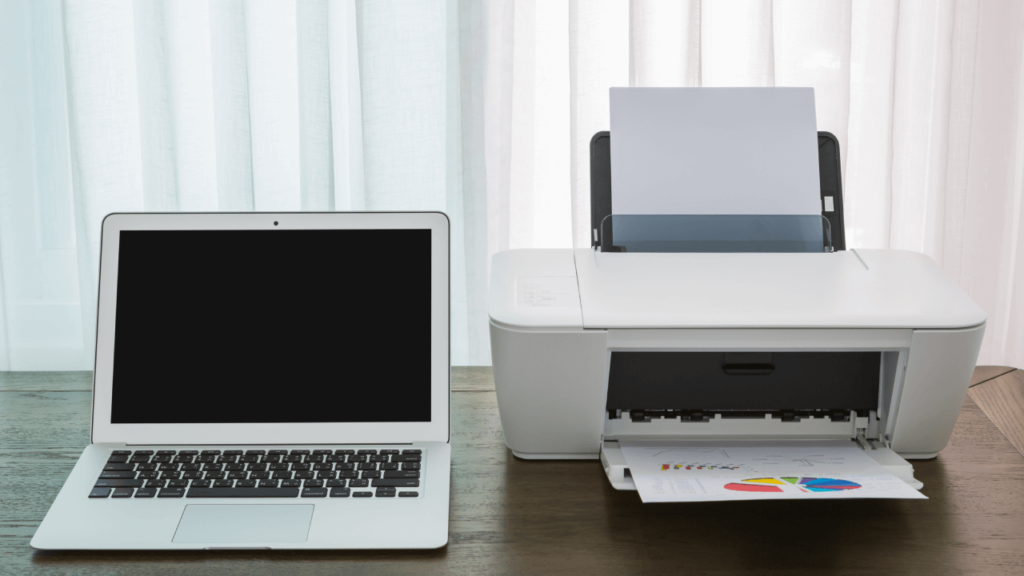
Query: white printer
x,y
593,346
589,348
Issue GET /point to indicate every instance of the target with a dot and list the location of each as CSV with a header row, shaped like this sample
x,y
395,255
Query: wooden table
x,y
511,516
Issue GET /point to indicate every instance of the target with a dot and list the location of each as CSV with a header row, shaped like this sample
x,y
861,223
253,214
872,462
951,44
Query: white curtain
x,y
483,109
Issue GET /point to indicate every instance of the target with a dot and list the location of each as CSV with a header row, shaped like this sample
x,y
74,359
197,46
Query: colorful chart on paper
x,y
788,483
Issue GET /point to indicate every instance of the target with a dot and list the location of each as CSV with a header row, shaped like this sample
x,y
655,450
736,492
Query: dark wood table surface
x,y
521,517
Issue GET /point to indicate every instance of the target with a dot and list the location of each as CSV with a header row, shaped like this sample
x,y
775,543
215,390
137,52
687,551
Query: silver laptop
x,y
266,381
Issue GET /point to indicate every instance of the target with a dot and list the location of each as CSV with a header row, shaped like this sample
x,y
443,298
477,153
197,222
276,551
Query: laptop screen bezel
x,y
436,430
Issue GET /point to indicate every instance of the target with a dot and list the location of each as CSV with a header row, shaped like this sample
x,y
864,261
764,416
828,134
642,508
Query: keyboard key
x,y
271,459
166,452
137,459
156,483
170,475
336,483
379,458
237,475
171,493
314,484
389,451
144,452
179,459
299,452
99,493
269,483
324,452
189,467
259,476
243,493
315,458
408,494
291,483
248,458
314,492
344,452
168,467
188,453
145,493
191,475
255,452
396,482
326,475
121,452
323,466
117,459
282,475
336,458
178,484
122,483
402,474
406,458
234,467
148,475
362,494
118,467
245,484
415,451
340,492
210,453
359,483
367,466
227,459
146,467
223,484
303,475
111,475
347,474
202,484
389,466
280,466
277,452
344,466
232,452
386,493
411,466
367,452
292,458
300,467
359,458
370,474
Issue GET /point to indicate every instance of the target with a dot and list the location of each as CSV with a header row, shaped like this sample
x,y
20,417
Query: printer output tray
x,y
615,467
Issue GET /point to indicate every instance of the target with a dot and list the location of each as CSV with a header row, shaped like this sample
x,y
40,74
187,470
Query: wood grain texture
x,y
45,381
511,516
472,378
1002,399
985,373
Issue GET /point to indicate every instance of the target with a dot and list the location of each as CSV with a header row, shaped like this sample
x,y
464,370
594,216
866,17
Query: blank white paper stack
x,y
714,151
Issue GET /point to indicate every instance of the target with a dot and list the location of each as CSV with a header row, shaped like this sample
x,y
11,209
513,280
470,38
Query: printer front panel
x,y
550,387
938,373
754,384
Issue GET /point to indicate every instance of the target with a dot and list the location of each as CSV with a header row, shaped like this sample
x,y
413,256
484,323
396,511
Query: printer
x,y
617,342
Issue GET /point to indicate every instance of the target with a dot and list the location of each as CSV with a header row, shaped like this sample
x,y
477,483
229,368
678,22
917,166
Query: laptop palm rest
x,y
251,524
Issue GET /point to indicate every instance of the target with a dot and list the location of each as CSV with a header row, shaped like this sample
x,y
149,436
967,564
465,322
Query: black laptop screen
x,y
275,326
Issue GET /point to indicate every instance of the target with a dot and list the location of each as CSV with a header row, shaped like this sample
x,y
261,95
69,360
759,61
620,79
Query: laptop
x,y
266,381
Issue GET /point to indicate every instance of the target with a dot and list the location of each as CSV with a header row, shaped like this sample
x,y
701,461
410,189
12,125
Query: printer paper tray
x,y
615,467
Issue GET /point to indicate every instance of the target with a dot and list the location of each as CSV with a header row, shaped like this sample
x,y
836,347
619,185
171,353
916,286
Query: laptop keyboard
x,y
260,474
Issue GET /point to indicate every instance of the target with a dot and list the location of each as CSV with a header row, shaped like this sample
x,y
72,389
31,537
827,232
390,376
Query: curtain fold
x,y
484,109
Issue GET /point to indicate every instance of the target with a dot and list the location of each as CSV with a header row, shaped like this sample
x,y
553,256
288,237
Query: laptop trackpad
x,y
249,524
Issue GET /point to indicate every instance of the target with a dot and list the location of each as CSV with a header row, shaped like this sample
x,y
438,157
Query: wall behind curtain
x,y
483,109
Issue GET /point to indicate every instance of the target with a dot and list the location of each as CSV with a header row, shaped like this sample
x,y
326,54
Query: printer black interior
x,y
695,386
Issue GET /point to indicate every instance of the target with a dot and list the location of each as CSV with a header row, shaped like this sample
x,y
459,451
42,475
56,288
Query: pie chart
x,y
783,483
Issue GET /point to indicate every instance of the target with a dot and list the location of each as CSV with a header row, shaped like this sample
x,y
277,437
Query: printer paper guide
x,y
716,471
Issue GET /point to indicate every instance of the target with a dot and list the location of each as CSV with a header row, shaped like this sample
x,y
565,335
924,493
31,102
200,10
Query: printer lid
x,y
851,289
